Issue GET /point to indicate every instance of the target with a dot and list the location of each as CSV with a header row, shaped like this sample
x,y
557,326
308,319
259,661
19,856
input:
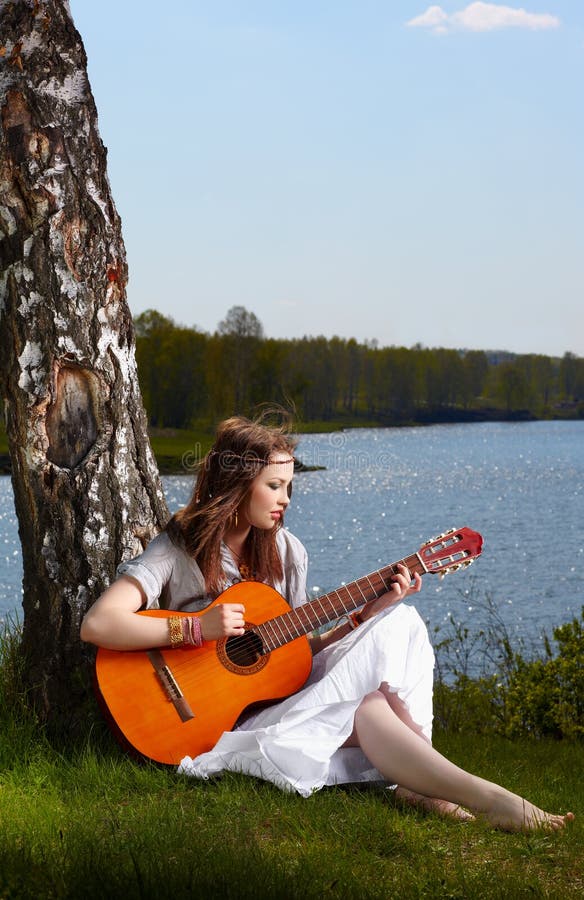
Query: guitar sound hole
x,y
244,650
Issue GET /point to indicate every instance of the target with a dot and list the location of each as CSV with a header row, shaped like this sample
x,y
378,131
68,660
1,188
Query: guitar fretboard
x,y
318,612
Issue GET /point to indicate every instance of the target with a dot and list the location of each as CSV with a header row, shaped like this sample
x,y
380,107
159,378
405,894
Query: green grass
x,y
81,819
178,451
88,822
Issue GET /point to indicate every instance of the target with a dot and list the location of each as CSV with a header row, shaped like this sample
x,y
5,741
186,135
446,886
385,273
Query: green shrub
x,y
485,685
469,705
545,697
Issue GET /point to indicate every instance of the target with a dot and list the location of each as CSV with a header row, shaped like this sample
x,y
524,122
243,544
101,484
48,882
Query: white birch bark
x,y
86,485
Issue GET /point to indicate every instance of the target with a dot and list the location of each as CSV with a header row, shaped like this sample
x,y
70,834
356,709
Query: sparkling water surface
x,y
385,491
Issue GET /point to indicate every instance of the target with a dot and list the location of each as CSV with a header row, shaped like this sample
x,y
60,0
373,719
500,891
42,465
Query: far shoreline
x,y
179,451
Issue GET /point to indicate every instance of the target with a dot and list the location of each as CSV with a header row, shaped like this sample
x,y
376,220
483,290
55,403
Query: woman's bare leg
x,y
412,798
403,757
429,804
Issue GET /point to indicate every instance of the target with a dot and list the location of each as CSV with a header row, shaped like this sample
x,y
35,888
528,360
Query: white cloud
x,y
482,17
434,17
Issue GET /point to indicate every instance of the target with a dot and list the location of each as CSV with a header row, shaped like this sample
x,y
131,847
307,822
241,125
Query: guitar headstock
x,y
450,551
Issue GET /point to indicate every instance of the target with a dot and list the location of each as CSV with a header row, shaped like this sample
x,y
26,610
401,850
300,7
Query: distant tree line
x,y
188,376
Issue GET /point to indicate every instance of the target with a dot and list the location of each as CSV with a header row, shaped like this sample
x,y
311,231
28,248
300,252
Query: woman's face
x,y
268,496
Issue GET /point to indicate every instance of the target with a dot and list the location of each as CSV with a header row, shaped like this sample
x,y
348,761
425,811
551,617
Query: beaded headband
x,y
243,462
251,457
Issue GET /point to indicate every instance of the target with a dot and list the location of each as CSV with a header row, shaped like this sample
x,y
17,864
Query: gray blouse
x,y
171,579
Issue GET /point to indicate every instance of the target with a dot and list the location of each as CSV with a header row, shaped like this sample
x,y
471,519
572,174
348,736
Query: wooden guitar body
x,y
218,682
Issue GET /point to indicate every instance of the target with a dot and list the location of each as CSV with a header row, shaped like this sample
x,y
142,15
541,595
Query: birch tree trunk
x,y
86,487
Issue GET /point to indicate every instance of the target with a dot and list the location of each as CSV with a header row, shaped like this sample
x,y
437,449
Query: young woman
x,y
365,713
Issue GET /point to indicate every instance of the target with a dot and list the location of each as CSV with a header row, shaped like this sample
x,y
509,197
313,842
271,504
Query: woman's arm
x,y
319,641
112,621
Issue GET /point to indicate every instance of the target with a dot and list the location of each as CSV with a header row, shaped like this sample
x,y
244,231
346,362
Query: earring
x,y
235,519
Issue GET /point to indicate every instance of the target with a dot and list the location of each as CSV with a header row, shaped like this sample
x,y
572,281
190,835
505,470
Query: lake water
x,y
386,491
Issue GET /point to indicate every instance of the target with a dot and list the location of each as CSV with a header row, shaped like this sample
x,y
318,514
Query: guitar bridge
x,y
170,686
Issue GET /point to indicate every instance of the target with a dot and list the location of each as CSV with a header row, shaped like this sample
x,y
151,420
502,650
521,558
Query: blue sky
x,y
395,170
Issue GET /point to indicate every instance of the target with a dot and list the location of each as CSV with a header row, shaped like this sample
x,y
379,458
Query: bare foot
x,y
512,813
431,804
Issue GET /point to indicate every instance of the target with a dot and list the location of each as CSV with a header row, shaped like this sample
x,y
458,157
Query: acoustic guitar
x,y
168,703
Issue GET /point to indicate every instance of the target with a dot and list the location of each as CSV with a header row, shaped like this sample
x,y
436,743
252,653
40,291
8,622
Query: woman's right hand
x,y
222,620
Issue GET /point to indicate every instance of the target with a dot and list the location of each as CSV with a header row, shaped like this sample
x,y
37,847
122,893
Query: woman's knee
x,y
369,702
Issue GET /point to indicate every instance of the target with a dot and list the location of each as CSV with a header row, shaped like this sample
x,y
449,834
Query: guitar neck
x,y
318,612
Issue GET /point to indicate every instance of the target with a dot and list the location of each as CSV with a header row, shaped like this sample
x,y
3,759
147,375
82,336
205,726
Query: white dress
x,y
297,743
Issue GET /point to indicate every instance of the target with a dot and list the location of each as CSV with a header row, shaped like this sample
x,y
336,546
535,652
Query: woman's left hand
x,y
402,586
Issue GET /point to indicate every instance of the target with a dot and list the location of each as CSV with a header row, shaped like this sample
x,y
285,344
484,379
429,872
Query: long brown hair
x,y
241,449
